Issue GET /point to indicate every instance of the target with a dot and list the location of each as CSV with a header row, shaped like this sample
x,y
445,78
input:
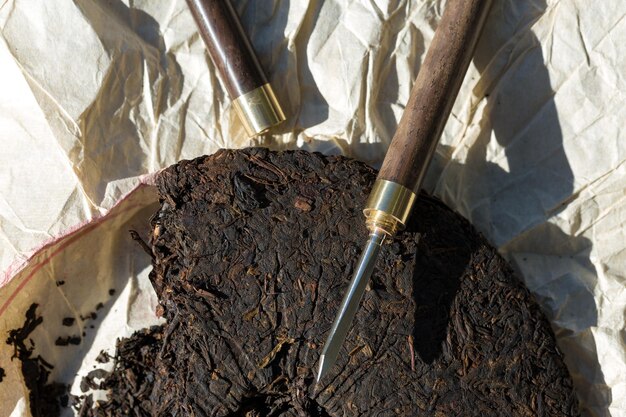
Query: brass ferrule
x,y
258,110
388,207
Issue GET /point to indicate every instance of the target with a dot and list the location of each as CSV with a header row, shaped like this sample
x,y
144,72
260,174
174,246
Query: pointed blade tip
x,y
322,370
349,305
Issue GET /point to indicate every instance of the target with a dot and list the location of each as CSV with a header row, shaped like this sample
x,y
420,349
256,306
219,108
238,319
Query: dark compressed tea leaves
x,y
252,253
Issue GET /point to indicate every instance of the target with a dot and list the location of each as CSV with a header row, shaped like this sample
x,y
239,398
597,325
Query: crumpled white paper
x,y
96,96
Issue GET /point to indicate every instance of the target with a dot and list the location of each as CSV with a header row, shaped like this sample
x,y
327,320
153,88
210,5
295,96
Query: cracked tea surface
x,y
252,253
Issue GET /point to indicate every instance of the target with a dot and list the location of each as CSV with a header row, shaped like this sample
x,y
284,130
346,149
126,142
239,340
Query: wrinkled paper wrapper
x,y
99,96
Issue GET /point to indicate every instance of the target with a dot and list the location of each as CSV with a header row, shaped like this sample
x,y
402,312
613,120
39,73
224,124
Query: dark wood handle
x,y
228,46
434,92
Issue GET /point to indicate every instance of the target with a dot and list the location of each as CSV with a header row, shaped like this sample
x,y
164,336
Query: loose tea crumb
x,y
45,399
68,340
132,381
103,357
90,316
89,381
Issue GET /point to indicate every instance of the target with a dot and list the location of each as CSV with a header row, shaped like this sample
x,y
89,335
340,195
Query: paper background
x,y
96,96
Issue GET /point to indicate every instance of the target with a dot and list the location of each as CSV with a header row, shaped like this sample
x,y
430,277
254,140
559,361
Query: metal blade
x,y
350,303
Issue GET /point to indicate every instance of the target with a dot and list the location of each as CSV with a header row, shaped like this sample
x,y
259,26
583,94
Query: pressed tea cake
x,y
252,251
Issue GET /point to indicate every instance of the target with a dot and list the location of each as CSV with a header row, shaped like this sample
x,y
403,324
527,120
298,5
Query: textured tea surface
x,y
131,382
252,253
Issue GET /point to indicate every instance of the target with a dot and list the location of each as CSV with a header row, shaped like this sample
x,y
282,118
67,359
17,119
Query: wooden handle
x,y
228,46
434,92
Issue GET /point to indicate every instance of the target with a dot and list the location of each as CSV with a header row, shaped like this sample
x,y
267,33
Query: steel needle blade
x,y
350,303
